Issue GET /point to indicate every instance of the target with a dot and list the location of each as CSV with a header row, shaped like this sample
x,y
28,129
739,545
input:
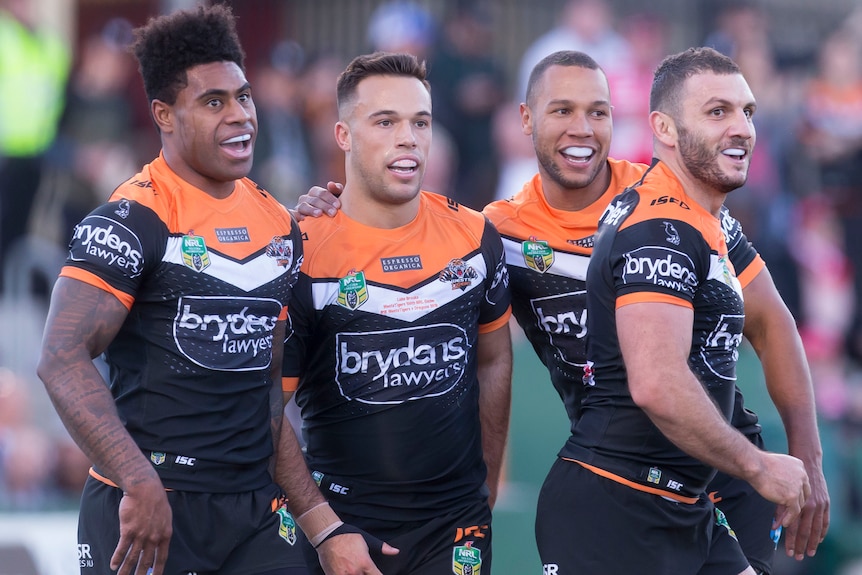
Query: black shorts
x,y
454,542
591,525
749,515
213,533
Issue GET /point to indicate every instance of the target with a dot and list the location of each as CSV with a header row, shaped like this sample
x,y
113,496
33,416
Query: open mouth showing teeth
x,y
403,166
735,153
578,154
237,142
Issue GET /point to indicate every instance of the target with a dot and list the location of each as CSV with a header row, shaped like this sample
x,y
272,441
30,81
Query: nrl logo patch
x,y
466,560
195,255
459,274
287,525
537,255
157,458
352,290
281,249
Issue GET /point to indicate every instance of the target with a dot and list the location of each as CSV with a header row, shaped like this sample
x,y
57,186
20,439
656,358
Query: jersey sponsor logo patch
x,y
615,212
466,560
394,366
226,333
352,290
401,263
458,273
720,350
564,318
587,242
232,235
537,255
281,249
672,234
662,267
195,254
123,208
102,240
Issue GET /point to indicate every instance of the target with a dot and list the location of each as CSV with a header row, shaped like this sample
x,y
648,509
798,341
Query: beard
x,y
556,174
702,162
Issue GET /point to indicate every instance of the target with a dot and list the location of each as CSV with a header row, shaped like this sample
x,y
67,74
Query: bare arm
x,y
495,401
655,339
82,321
771,329
345,554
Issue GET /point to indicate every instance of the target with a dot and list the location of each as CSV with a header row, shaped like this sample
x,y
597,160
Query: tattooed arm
x,y
82,321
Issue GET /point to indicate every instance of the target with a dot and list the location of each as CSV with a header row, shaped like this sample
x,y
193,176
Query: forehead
x,y
702,89
572,83
402,94
214,76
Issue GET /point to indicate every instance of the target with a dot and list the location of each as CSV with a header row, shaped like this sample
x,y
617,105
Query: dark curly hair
x,y
167,46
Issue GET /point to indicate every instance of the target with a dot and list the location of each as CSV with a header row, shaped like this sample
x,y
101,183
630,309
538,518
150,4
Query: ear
x,y
526,119
163,116
663,128
342,135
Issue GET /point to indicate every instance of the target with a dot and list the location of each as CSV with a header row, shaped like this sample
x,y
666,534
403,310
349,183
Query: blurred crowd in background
x,y
74,124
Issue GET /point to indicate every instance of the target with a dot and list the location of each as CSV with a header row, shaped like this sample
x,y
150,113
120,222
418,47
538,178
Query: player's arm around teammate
x,y
82,321
771,329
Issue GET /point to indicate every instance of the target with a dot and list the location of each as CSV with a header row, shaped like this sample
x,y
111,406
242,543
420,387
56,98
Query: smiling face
x,y
569,119
385,132
715,130
208,134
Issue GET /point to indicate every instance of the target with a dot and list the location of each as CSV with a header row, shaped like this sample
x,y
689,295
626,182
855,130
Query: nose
x,y
742,125
240,111
405,137
579,126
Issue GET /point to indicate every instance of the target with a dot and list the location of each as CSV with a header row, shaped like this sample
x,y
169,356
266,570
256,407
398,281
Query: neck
x,y
575,199
378,214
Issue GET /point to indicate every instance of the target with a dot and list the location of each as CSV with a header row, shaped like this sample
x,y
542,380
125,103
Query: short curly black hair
x,y
168,45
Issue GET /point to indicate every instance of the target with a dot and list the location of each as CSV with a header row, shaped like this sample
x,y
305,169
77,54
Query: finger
x,y
129,563
118,559
335,188
145,562
390,550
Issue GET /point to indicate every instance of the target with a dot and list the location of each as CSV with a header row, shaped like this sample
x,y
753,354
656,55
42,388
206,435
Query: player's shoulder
x,y
451,211
512,210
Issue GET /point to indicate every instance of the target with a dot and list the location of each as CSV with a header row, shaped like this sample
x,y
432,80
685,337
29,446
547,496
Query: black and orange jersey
x,y
547,253
383,349
205,281
655,244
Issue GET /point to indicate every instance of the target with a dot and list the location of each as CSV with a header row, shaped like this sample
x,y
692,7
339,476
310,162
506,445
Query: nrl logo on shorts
x,y
287,525
157,457
459,274
281,249
537,255
195,255
466,560
352,290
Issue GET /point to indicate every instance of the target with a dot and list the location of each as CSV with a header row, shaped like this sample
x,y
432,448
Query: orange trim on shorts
x,y
99,477
632,484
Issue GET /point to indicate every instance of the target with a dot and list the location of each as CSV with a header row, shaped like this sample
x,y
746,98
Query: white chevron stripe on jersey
x,y
398,304
248,275
567,265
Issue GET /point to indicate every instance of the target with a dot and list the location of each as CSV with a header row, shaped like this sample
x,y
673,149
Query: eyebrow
x,y
222,92
567,102
423,113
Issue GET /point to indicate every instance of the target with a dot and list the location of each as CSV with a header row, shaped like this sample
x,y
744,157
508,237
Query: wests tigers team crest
x,y
459,274
281,249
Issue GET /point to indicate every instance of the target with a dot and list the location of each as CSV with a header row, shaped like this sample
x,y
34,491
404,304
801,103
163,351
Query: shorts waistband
x,y
634,485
